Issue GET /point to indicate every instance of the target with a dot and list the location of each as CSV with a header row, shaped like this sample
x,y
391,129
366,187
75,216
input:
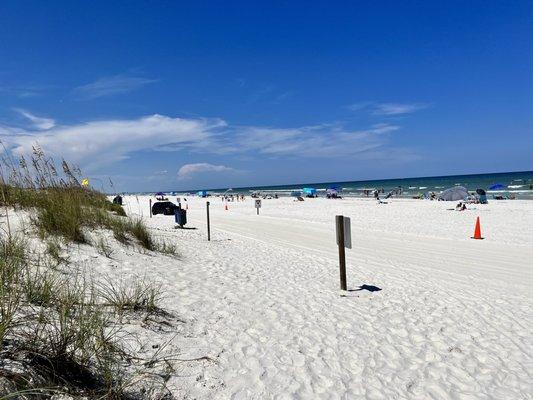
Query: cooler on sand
x,y
180,215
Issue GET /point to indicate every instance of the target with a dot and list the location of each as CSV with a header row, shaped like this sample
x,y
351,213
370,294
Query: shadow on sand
x,y
369,288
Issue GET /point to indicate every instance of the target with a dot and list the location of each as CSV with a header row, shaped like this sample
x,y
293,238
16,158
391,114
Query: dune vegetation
x,y
61,332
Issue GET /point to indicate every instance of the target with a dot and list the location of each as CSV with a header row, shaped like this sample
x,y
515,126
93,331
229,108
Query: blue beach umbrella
x,y
497,186
309,191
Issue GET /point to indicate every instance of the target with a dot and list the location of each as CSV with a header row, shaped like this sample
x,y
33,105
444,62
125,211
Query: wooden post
x,y
150,208
208,223
339,219
257,208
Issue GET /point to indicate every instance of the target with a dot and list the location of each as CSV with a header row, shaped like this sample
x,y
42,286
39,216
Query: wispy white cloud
x,y
387,109
310,141
99,143
95,145
25,91
362,105
188,170
111,85
397,108
37,122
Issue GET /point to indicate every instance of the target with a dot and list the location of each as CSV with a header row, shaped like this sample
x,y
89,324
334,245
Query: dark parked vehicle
x,y
164,207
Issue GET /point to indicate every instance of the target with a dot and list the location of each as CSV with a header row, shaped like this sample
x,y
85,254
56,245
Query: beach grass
x,y
61,206
65,328
137,295
63,332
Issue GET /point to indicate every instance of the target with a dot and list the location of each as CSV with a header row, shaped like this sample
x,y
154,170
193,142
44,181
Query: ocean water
x,y
519,184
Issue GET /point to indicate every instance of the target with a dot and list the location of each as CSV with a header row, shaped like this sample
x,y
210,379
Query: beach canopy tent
x,y
160,194
454,193
309,191
497,186
202,193
333,193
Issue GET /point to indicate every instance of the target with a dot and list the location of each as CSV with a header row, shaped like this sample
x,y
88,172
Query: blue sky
x,y
177,95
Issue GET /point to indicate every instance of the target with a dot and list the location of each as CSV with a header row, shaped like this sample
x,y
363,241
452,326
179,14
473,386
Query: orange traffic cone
x,y
477,230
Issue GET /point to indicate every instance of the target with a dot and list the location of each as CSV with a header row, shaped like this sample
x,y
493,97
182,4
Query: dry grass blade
x,y
139,295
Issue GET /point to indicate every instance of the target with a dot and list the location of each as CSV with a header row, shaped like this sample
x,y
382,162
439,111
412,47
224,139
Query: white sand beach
x,y
452,319
398,115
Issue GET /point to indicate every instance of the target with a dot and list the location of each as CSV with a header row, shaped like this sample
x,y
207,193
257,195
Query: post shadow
x,y
370,288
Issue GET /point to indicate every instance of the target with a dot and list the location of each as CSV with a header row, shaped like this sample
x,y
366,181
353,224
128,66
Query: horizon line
x,y
348,181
